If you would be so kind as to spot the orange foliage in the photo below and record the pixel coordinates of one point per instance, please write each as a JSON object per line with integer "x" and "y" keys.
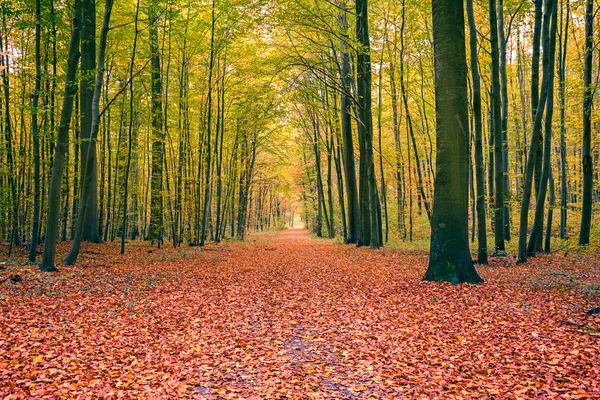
{"x": 290, "y": 317}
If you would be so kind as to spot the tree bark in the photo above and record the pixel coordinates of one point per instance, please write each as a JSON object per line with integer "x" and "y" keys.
{"x": 450, "y": 258}
{"x": 35, "y": 133}
{"x": 88, "y": 164}
{"x": 156, "y": 181}
{"x": 497, "y": 132}
{"x": 537, "y": 230}
{"x": 586, "y": 147}
{"x": 369, "y": 197}
{"x": 62, "y": 141}
{"x": 479, "y": 166}
{"x": 548, "y": 65}
{"x": 347, "y": 139}
{"x": 91, "y": 231}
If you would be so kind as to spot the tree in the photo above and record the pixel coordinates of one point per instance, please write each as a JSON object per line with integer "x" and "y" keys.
{"x": 347, "y": 140}
{"x": 371, "y": 234}
{"x": 156, "y": 181}
{"x": 548, "y": 67}
{"x": 586, "y": 146}
{"x": 91, "y": 231}
{"x": 87, "y": 183}
{"x": 450, "y": 258}
{"x": 35, "y": 132}
{"x": 479, "y": 167}
{"x": 497, "y": 132}
{"x": 62, "y": 140}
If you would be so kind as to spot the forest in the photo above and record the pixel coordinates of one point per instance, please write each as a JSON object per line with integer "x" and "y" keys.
{"x": 268, "y": 199}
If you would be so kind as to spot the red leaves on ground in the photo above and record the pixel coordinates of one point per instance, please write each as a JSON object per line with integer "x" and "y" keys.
{"x": 296, "y": 318}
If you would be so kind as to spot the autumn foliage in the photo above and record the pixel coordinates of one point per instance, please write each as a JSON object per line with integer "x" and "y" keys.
{"x": 287, "y": 316}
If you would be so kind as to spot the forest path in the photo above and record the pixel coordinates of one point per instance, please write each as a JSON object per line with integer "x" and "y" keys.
{"x": 287, "y": 316}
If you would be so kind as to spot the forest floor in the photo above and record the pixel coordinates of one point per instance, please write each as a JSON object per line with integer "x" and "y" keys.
{"x": 287, "y": 316}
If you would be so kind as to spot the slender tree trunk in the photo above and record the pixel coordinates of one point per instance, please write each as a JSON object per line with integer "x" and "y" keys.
{"x": 538, "y": 224}
{"x": 548, "y": 64}
{"x": 550, "y": 212}
{"x": 369, "y": 198}
{"x": 504, "y": 95}
{"x": 562, "y": 58}
{"x": 497, "y": 132}
{"x": 62, "y": 141}
{"x": 158, "y": 137}
{"x": 15, "y": 238}
{"x": 409, "y": 123}
{"x": 208, "y": 180}
{"x": 129, "y": 132}
{"x": 535, "y": 91}
{"x": 88, "y": 164}
{"x": 399, "y": 166}
{"x": 35, "y": 133}
{"x": 347, "y": 139}
{"x": 479, "y": 166}
{"x": 380, "y": 134}
{"x": 586, "y": 147}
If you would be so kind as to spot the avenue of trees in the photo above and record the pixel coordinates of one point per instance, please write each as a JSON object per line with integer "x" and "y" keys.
{"x": 184, "y": 122}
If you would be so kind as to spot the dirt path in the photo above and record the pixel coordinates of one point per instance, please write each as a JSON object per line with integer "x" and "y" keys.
{"x": 287, "y": 316}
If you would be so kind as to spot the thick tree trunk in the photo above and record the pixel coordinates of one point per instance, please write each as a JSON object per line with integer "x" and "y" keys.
{"x": 450, "y": 258}
{"x": 91, "y": 231}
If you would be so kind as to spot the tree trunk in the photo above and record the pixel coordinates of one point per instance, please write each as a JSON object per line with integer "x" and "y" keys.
{"x": 369, "y": 198}
{"x": 208, "y": 180}
{"x": 88, "y": 164}
{"x": 156, "y": 181}
{"x": 15, "y": 238}
{"x": 450, "y": 258}
{"x": 538, "y": 223}
{"x": 586, "y": 147}
{"x": 562, "y": 59}
{"x": 497, "y": 132}
{"x": 91, "y": 231}
{"x": 535, "y": 91}
{"x": 35, "y": 133}
{"x": 347, "y": 140}
{"x": 479, "y": 166}
{"x": 62, "y": 141}
{"x": 548, "y": 65}
{"x": 129, "y": 132}
{"x": 504, "y": 95}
